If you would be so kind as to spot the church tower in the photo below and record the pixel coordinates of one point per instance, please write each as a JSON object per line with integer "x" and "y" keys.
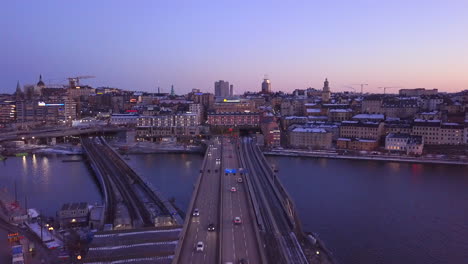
{"x": 39, "y": 86}
{"x": 326, "y": 91}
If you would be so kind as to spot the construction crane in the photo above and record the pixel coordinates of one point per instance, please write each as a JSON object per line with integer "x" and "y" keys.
{"x": 75, "y": 81}
{"x": 362, "y": 86}
{"x": 385, "y": 88}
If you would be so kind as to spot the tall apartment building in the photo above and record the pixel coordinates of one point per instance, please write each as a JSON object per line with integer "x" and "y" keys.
{"x": 222, "y": 89}
{"x": 266, "y": 86}
{"x": 198, "y": 110}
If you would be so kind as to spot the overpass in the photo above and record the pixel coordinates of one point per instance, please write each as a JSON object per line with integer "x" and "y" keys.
{"x": 270, "y": 231}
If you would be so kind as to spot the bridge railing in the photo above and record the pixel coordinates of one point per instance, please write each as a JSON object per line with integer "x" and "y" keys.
{"x": 190, "y": 208}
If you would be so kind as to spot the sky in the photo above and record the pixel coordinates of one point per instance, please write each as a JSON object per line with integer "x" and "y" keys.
{"x": 140, "y": 45}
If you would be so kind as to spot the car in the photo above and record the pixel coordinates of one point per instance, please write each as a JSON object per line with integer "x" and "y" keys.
{"x": 196, "y": 212}
{"x": 239, "y": 180}
{"x": 211, "y": 227}
{"x": 242, "y": 261}
{"x": 233, "y": 189}
{"x": 237, "y": 220}
{"x": 209, "y": 170}
{"x": 200, "y": 246}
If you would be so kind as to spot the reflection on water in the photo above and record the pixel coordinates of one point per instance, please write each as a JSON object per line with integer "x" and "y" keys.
{"x": 365, "y": 211}
{"x": 48, "y": 182}
{"x": 376, "y": 212}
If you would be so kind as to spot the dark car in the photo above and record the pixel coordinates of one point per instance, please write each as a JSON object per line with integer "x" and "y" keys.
{"x": 211, "y": 227}
{"x": 242, "y": 261}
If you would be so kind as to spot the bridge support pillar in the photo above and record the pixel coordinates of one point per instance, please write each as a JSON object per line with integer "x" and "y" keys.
{"x": 52, "y": 141}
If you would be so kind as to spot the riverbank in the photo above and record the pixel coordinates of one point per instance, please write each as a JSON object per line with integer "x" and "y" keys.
{"x": 156, "y": 148}
{"x": 381, "y": 157}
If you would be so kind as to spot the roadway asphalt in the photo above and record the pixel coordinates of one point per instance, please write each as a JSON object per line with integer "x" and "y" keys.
{"x": 239, "y": 240}
{"x": 207, "y": 202}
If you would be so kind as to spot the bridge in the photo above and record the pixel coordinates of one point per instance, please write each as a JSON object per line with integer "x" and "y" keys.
{"x": 57, "y": 132}
{"x": 145, "y": 226}
{"x": 269, "y": 230}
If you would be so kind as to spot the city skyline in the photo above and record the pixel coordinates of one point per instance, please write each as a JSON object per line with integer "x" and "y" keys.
{"x": 409, "y": 45}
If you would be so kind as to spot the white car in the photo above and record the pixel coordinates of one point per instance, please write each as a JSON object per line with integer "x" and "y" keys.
{"x": 196, "y": 212}
{"x": 233, "y": 189}
{"x": 200, "y": 246}
{"x": 237, "y": 220}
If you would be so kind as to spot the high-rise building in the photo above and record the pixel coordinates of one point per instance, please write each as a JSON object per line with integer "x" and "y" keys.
{"x": 222, "y": 88}
{"x": 266, "y": 86}
{"x": 326, "y": 91}
{"x": 231, "y": 90}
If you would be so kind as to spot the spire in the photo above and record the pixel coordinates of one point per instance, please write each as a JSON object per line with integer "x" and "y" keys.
{"x": 40, "y": 77}
{"x": 18, "y": 87}
{"x": 172, "y": 90}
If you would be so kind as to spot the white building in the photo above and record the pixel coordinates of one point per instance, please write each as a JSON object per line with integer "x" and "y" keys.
{"x": 412, "y": 145}
{"x": 124, "y": 119}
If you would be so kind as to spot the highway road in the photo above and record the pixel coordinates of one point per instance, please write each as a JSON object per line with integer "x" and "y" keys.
{"x": 239, "y": 241}
{"x": 207, "y": 201}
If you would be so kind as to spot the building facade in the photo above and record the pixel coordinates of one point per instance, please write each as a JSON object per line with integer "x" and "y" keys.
{"x": 310, "y": 138}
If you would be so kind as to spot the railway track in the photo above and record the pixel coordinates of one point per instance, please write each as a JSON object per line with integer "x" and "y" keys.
{"x": 282, "y": 243}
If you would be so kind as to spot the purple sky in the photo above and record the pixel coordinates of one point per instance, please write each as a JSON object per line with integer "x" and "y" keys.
{"x": 139, "y": 45}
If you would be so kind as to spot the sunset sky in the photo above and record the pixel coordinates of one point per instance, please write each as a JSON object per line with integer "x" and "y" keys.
{"x": 139, "y": 45}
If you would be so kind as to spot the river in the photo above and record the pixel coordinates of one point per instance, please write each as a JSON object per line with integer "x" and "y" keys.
{"x": 364, "y": 211}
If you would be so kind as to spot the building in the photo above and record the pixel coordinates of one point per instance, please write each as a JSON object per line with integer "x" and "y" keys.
{"x": 7, "y": 112}
{"x": 417, "y": 92}
{"x": 270, "y": 131}
{"x": 51, "y": 112}
{"x": 357, "y": 144}
{"x": 205, "y": 99}
{"x": 157, "y": 127}
{"x": 234, "y": 119}
{"x": 266, "y": 86}
{"x": 363, "y": 130}
{"x": 326, "y": 91}
{"x": 369, "y": 117}
{"x": 372, "y": 104}
{"x": 338, "y": 115}
{"x": 198, "y": 110}
{"x": 411, "y": 145}
{"x": 432, "y": 115}
{"x": 451, "y": 134}
{"x": 222, "y": 89}
{"x": 130, "y": 119}
{"x": 185, "y": 120}
{"x": 73, "y": 214}
{"x": 233, "y": 105}
{"x": 39, "y": 86}
{"x": 317, "y": 138}
{"x": 402, "y": 127}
